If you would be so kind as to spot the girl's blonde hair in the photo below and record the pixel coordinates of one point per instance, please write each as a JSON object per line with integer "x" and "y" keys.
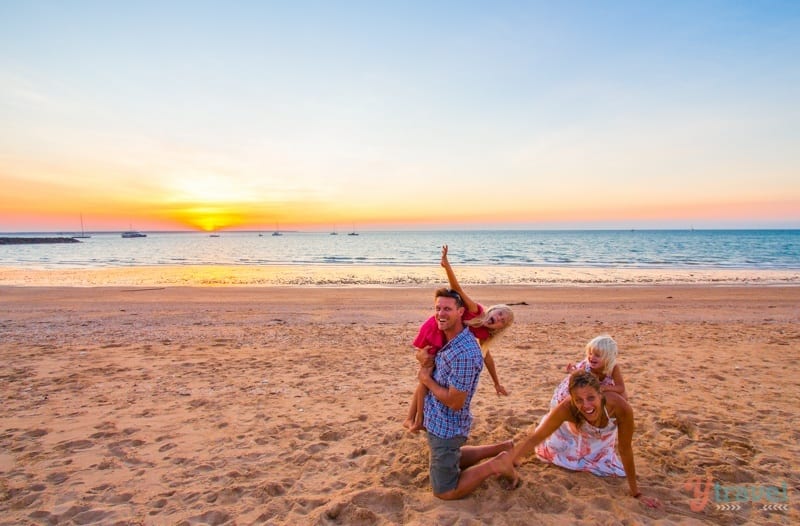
{"x": 483, "y": 318}
{"x": 606, "y": 347}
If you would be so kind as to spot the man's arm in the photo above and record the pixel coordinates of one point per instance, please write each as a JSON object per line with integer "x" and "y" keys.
{"x": 449, "y": 396}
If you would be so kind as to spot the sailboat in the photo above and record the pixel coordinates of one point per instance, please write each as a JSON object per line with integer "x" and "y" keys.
{"x": 353, "y": 233}
{"x": 277, "y": 230}
{"x": 83, "y": 233}
{"x": 334, "y": 233}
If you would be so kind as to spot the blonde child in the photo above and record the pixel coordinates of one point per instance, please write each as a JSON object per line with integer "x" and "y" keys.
{"x": 485, "y": 324}
{"x": 601, "y": 360}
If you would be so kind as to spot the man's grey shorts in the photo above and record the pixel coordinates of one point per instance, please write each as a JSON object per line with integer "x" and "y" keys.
{"x": 445, "y": 459}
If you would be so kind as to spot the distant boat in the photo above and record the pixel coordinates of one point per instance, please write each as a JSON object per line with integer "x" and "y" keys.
{"x": 213, "y": 235}
{"x": 133, "y": 233}
{"x": 277, "y": 230}
{"x": 83, "y": 233}
{"x": 333, "y": 233}
{"x": 353, "y": 233}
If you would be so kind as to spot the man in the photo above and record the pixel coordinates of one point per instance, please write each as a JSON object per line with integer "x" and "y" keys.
{"x": 455, "y": 470}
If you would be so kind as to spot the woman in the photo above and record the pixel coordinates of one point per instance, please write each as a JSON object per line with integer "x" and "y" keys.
{"x": 602, "y": 443}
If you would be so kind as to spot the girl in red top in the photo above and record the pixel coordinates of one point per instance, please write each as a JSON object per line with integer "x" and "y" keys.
{"x": 485, "y": 325}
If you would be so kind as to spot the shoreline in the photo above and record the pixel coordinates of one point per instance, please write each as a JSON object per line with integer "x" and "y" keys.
{"x": 331, "y": 275}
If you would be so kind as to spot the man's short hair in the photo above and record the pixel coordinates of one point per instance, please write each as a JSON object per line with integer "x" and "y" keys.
{"x": 449, "y": 293}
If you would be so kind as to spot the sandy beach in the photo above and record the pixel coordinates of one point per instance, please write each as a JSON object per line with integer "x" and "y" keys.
{"x": 283, "y": 405}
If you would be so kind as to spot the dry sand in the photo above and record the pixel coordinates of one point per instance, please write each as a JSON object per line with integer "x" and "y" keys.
{"x": 284, "y": 405}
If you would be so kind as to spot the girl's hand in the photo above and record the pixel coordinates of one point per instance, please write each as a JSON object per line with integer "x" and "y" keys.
{"x": 424, "y": 357}
{"x": 424, "y": 373}
{"x": 500, "y": 390}
{"x": 571, "y": 367}
{"x": 445, "y": 263}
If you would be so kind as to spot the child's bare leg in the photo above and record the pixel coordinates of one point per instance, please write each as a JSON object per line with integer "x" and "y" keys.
{"x": 420, "y": 416}
{"x": 411, "y": 417}
{"x": 414, "y": 421}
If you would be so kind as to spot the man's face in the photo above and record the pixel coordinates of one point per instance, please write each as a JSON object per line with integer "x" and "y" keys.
{"x": 448, "y": 314}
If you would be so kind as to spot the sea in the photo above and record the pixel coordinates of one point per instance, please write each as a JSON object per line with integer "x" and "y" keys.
{"x": 412, "y": 257}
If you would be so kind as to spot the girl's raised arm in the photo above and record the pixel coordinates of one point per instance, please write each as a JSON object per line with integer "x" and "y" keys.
{"x": 469, "y": 304}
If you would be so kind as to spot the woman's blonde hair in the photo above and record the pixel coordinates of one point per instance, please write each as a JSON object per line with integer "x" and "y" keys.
{"x": 479, "y": 321}
{"x": 606, "y": 347}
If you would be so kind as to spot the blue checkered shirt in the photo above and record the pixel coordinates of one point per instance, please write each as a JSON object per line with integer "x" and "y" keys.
{"x": 458, "y": 364}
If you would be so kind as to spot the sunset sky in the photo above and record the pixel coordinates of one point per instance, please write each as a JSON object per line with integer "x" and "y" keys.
{"x": 396, "y": 115}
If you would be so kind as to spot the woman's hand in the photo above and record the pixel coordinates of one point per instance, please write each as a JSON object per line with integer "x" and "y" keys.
{"x": 500, "y": 390}
{"x": 650, "y": 502}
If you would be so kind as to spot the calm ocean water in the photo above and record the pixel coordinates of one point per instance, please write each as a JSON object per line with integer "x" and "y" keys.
{"x": 526, "y": 251}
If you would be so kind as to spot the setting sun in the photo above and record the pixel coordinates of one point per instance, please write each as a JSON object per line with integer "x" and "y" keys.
{"x": 208, "y": 218}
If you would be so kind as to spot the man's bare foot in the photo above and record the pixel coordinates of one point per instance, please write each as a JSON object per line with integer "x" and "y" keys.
{"x": 503, "y": 465}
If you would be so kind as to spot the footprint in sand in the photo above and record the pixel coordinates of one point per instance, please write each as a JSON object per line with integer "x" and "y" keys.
{"x": 103, "y": 434}
{"x": 74, "y": 446}
{"x": 316, "y": 448}
{"x": 332, "y": 435}
{"x": 682, "y": 424}
{"x": 211, "y": 518}
{"x": 35, "y": 433}
{"x": 273, "y": 489}
{"x": 371, "y": 505}
{"x": 57, "y": 478}
{"x": 167, "y": 447}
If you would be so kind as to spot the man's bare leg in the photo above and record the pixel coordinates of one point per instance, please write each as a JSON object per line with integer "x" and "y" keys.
{"x": 501, "y": 465}
{"x": 471, "y": 455}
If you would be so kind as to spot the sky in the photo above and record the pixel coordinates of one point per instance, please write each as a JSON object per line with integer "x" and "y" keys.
{"x": 319, "y": 115}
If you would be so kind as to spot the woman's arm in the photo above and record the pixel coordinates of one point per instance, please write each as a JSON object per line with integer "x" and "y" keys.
{"x": 469, "y": 304}
{"x": 624, "y": 415}
{"x": 489, "y": 362}
{"x": 625, "y": 424}
{"x": 551, "y": 421}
